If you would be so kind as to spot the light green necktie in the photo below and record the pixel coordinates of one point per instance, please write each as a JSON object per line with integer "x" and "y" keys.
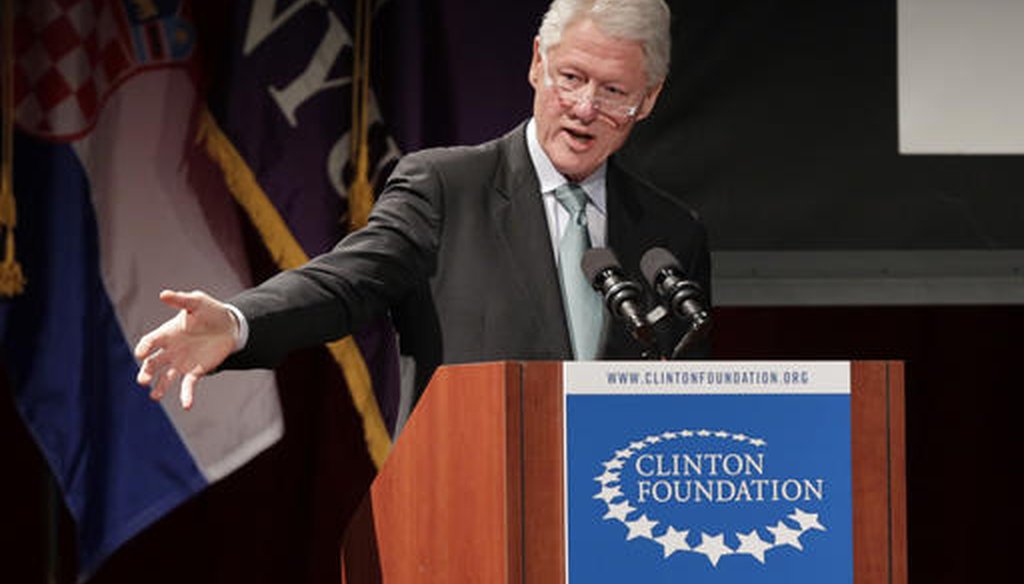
{"x": 582, "y": 303}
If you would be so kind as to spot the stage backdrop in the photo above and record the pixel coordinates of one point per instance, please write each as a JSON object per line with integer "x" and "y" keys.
{"x": 780, "y": 124}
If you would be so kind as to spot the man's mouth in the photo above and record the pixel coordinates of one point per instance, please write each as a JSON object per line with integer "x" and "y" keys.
{"x": 579, "y": 136}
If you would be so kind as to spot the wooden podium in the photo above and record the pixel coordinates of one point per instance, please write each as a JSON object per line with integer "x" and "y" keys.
{"x": 472, "y": 491}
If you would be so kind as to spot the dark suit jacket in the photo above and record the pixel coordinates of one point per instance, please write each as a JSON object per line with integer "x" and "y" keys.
{"x": 457, "y": 248}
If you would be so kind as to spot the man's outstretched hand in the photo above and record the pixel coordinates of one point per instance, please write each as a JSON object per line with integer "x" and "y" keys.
{"x": 188, "y": 346}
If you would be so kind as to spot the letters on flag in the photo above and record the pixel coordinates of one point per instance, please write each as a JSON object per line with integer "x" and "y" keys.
{"x": 281, "y": 127}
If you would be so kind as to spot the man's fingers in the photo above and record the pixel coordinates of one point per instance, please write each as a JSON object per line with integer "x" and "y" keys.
{"x": 188, "y": 301}
{"x": 188, "y": 387}
{"x": 173, "y": 352}
{"x": 170, "y": 376}
{"x": 165, "y": 380}
{"x": 158, "y": 338}
{"x": 152, "y": 341}
{"x": 155, "y": 392}
{"x": 147, "y": 371}
{"x": 151, "y": 365}
{"x": 145, "y": 376}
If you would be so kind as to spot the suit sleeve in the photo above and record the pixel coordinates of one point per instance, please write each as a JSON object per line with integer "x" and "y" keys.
{"x": 367, "y": 272}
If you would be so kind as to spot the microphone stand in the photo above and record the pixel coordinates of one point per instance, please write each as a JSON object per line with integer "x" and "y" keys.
{"x": 700, "y": 327}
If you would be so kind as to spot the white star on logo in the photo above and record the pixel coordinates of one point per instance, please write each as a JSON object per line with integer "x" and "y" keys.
{"x": 758, "y": 442}
{"x": 721, "y": 434}
{"x": 751, "y": 543}
{"x": 607, "y": 477}
{"x": 703, "y": 433}
{"x": 686, "y": 433}
{"x": 608, "y": 494}
{"x": 739, "y": 437}
{"x": 638, "y": 445}
{"x": 619, "y": 511}
{"x": 785, "y": 535}
{"x": 652, "y": 439}
{"x": 613, "y": 464}
{"x": 673, "y": 541}
{"x": 713, "y": 546}
{"x": 624, "y": 453}
{"x": 668, "y": 435}
{"x": 806, "y": 520}
{"x": 640, "y": 528}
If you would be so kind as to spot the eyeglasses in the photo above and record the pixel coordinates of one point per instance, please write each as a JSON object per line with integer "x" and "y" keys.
{"x": 608, "y": 100}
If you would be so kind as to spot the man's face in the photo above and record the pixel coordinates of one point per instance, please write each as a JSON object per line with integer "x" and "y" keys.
{"x": 577, "y": 135}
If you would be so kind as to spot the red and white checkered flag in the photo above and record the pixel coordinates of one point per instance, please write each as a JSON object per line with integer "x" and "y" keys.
{"x": 71, "y": 54}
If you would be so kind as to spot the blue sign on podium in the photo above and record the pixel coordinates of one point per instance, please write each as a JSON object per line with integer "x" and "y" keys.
{"x": 708, "y": 472}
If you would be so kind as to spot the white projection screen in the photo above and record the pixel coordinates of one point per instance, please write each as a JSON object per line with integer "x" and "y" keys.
{"x": 961, "y": 76}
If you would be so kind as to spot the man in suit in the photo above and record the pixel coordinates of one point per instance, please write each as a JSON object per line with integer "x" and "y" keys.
{"x": 467, "y": 246}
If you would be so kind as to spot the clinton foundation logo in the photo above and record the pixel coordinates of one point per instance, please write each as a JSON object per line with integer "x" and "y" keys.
{"x": 696, "y": 491}
{"x": 708, "y": 472}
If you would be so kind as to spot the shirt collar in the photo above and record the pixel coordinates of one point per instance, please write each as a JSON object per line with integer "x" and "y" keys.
{"x": 550, "y": 179}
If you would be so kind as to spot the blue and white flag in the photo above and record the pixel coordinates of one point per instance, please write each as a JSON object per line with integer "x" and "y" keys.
{"x": 110, "y": 211}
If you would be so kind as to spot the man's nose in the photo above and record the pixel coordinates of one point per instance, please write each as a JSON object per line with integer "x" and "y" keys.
{"x": 584, "y": 108}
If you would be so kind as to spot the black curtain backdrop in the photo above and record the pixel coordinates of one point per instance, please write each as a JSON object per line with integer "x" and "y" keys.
{"x": 778, "y": 122}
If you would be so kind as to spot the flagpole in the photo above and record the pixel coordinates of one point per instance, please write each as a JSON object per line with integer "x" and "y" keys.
{"x": 12, "y": 280}
{"x": 360, "y": 191}
{"x": 52, "y": 529}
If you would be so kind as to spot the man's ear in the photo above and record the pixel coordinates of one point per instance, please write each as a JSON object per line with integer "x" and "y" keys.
{"x": 648, "y": 103}
{"x": 536, "y": 73}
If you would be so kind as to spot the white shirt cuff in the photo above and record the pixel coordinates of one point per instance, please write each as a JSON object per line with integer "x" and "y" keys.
{"x": 242, "y": 328}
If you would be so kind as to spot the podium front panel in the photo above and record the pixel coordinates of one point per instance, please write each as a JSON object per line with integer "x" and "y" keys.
{"x": 473, "y": 491}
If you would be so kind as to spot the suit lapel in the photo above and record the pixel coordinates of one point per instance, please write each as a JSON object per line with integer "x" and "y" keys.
{"x": 521, "y": 226}
{"x": 625, "y": 229}
{"x": 625, "y": 217}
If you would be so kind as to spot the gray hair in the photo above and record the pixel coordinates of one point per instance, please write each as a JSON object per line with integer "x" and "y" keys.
{"x": 645, "y": 21}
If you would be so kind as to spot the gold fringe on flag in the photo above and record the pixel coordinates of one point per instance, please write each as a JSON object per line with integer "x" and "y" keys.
{"x": 12, "y": 280}
{"x": 287, "y": 252}
{"x": 360, "y": 192}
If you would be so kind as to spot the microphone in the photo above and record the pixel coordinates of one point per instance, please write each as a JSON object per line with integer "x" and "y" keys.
{"x": 683, "y": 297}
{"x": 622, "y": 296}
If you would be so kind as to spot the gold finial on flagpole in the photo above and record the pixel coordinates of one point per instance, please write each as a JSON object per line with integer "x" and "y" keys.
{"x": 12, "y": 280}
{"x": 360, "y": 191}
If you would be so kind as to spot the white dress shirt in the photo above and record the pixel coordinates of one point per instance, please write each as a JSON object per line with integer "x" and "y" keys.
{"x": 550, "y": 179}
